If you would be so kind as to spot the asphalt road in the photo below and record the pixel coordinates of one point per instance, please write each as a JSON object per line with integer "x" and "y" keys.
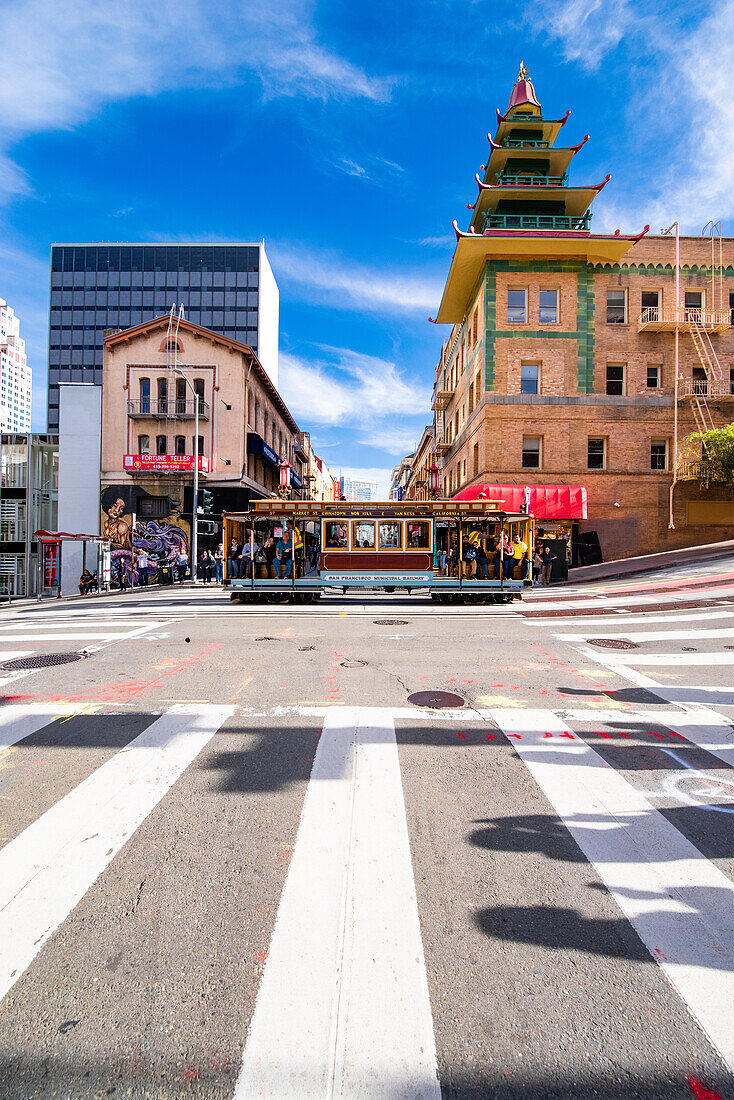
{"x": 236, "y": 861}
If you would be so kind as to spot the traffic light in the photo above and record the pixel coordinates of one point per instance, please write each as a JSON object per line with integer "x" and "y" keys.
{"x": 207, "y": 501}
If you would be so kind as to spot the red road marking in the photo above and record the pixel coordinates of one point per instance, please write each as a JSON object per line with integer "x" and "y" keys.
{"x": 700, "y": 1091}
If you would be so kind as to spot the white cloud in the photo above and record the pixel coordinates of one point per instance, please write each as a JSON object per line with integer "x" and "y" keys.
{"x": 331, "y": 280}
{"x": 588, "y": 29}
{"x": 347, "y": 387}
{"x": 447, "y": 240}
{"x": 394, "y": 439}
{"x": 62, "y": 63}
{"x": 351, "y": 168}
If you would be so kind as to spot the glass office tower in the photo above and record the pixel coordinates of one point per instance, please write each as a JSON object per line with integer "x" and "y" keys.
{"x": 225, "y": 287}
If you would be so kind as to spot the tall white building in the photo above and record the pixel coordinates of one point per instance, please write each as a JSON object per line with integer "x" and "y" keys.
{"x": 15, "y": 375}
{"x": 351, "y": 489}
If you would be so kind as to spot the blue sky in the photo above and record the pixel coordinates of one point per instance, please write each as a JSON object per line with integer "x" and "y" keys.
{"x": 347, "y": 135}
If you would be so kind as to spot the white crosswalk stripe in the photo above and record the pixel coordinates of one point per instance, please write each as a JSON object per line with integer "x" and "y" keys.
{"x": 46, "y": 870}
{"x": 680, "y": 904}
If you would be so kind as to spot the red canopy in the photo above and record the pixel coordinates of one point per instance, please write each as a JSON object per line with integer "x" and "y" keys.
{"x": 546, "y": 501}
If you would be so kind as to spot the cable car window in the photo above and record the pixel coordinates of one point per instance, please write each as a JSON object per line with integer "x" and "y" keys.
{"x": 363, "y": 535}
{"x": 391, "y": 536}
{"x": 336, "y": 536}
{"x": 418, "y": 535}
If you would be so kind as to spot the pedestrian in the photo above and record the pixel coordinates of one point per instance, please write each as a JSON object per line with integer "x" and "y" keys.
{"x": 284, "y": 551}
{"x": 519, "y": 551}
{"x": 143, "y": 568}
{"x": 206, "y": 566}
{"x": 85, "y": 583}
{"x": 246, "y": 556}
{"x": 482, "y": 561}
{"x": 182, "y": 565}
{"x": 233, "y": 559}
{"x": 219, "y": 563}
{"x": 537, "y": 562}
{"x": 548, "y": 557}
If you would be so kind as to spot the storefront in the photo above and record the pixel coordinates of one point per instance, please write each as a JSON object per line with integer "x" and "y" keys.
{"x": 557, "y": 510}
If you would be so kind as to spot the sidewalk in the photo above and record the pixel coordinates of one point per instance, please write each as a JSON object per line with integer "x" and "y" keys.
{"x": 651, "y": 563}
{"x": 49, "y": 601}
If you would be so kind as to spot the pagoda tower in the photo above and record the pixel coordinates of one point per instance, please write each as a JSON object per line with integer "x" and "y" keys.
{"x": 526, "y": 209}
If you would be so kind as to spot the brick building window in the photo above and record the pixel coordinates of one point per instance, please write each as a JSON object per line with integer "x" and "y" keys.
{"x": 700, "y": 381}
{"x": 659, "y": 454}
{"x": 616, "y": 306}
{"x": 653, "y": 378}
{"x": 731, "y": 307}
{"x": 517, "y": 307}
{"x": 161, "y": 445}
{"x": 694, "y": 305}
{"x": 650, "y": 302}
{"x": 615, "y": 379}
{"x": 476, "y": 459}
{"x": 529, "y": 377}
{"x": 731, "y": 381}
{"x": 154, "y": 507}
{"x": 532, "y": 447}
{"x": 475, "y": 325}
{"x": 596, "y": 455}
{"x": 548, "y": 307}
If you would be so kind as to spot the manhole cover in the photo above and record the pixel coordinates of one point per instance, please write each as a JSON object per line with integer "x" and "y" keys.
{"x": 42, "y": 660}
{"x": 353, "y": 664}
{"x": 612, "y": 643}
{"x": 438, "y": 700}
{"x": 390, "y": 622}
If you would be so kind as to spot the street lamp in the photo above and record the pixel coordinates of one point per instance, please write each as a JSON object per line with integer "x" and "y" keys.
{"x": 284, "y": 471}
{"x": 194, "y": 515}
{"x": 434, "y": 475}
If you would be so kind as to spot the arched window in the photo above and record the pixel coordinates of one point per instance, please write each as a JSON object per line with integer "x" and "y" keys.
{"x": 162, "y": 398}
{"x": 161, "y": 445}
{"x": 199, "y": 388}
{"x": 143, "y": 444}
{"x": 180, "y": 399}
{"x": 180, "y": 444}
{"x": 144, "y": 396}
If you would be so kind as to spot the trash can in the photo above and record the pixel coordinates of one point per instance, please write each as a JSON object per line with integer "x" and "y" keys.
{"x": 165, "y": 574}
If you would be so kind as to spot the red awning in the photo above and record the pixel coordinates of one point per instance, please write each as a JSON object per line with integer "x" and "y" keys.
{"x": 546, "y": 501}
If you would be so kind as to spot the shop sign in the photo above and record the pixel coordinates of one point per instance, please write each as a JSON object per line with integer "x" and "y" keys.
{"x": 163, "y": 463}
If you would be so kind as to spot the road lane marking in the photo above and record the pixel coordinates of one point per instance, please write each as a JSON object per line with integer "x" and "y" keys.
{"x": 46, "y": 870}
{"x": 680, "y": 904}
{"x": 20, "y": 720}
{"x": 343, "y": 1008}
{"x": 651, "y": 635}
{"x": 624, "y": 618}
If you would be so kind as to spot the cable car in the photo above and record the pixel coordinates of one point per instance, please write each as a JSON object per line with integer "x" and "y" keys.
{"x": 300, "y": 550}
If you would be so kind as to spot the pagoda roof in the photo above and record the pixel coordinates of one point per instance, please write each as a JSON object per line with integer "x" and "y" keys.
{"x": 557, "y": 158}
{"x": 550, "y": 126}
{"x": 474, "y": 249}
{"x": 523, "y": 92}
{"x": 577, "y": 199}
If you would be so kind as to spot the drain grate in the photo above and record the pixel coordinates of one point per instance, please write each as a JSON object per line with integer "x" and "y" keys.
{"x": 437, "y": 700}
{"x": 266, "y": 638}
{"x": 612, "y": 643}
{"x": 353, "y": 663}
{"x": 42, "y": 660}
{"x": 390, "y": 622}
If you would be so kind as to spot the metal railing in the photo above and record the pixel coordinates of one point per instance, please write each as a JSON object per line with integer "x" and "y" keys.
{"x": 686, "y": 315}
{"x": 526, "y": 179}
{"x": 537, "y": 221}
{"x": 701, "y": 388}
{"x": 525, "y": 143}
{"x": 161, "y": 409}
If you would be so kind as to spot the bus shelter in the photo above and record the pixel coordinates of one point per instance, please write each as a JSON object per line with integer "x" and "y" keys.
{"x": 51, "y": 544}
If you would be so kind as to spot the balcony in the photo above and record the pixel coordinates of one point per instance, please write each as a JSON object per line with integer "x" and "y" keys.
{"x": 523, "y": 143}
{"x": 529, "y": 180}
{"x": 442, "y": 448}
{"x": 708, "y": 389}
{"x": 154, "y": 409}
{"x": 441, "y": 400}
{"x": 538, "y": 221}
{"x": 656, "y": 319}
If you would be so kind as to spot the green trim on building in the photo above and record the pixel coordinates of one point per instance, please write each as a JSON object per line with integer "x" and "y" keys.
{"x": 583, "y": 334}
{"x": 658, "y": 269}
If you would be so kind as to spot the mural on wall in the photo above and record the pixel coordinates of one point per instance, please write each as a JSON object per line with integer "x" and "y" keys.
{"x": 161, "y": 540}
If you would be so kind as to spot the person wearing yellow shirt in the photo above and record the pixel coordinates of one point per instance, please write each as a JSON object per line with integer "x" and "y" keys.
{"x": 519, "y": 553}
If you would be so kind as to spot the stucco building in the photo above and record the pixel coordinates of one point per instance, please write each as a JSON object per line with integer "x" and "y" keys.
{"x": 578, "y": 358}
{"x": 148, "y": 436}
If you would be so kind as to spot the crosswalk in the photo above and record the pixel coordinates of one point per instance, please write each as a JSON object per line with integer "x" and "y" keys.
{"x": 343, "y": 1008}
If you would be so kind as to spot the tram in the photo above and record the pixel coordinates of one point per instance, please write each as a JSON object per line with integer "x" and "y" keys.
{"x": 299, "y": 550}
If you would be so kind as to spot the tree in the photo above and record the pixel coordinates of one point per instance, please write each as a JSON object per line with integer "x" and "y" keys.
{"x": 716, "y": 464}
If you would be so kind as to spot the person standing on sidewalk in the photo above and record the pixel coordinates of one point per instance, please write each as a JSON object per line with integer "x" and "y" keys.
{"x": 143, "y": 568}
{"x": 219, "y": 562}
{"x": 182, "y": 564}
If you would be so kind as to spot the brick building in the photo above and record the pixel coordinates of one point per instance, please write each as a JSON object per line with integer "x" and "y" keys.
{"x": 560, "y": 368}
